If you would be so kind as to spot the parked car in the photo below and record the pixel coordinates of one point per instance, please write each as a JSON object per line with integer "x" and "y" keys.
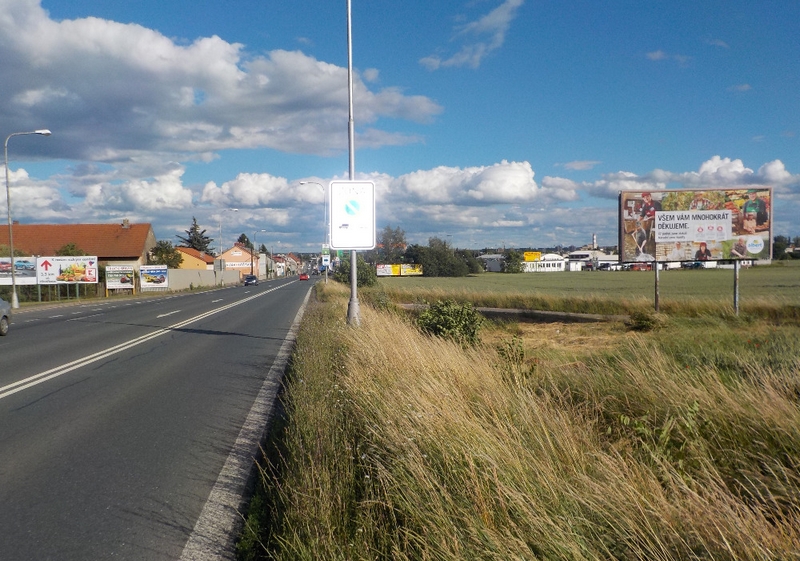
{"x": 250, "y": 280}
{"x": 303, "y": 276}
{"x": 5, "y": 316}
{"x": 692, "y": 265}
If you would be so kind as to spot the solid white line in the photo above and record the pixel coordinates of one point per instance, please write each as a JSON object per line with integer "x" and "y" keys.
{"x": 214, "y": 533}
{"x": 41, "y": 377}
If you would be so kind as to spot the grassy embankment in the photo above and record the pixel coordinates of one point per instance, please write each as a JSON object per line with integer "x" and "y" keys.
{"x": 551, "y": 441}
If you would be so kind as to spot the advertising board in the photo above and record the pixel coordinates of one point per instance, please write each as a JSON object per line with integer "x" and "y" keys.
{"x": 410, "y": 270}
{"x": 532, "y": 255}
{"x": 385, "y": 270}
{"x": 696, "y": 225}
{"x": 24, "y": 270}
{"x": 153, "y": 276}
{"x": 119, "y": 276}
{"x": 77, "y": 269}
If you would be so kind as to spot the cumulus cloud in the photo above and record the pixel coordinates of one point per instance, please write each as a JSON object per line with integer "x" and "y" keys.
{"x": 478, "y": 38}
{"x": 111, "y": 89}
{"x": 503, "y": 183}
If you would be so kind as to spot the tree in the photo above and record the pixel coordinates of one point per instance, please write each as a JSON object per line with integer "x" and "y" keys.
{"x": 263, "y": 249}
{"x": 196, "y": 238}
{"x": 779, "y": 245}
{"x": 437, "y": 260}
{"x": 165, "y": 254}
{"x": 69, "y": 250}
{"x": 512, "y": 262}
{"x": 245, "y": 241}
{"x": 391, "y": 245}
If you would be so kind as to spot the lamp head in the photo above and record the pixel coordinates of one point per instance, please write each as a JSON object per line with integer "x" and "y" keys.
{"x": 43, "y": 132}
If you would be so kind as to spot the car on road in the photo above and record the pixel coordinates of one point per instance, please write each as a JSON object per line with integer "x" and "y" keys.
{"x": 5, "y": 316}
{"x": 303, "y": 276}
{"x": 250, "y": 280}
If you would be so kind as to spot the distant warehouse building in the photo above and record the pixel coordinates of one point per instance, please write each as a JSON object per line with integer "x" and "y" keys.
{"x": 548, "y": 263}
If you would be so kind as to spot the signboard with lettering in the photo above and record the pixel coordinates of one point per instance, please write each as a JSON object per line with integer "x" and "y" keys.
{"x": 76, "y": 269}
{"x": 703, "y": 225}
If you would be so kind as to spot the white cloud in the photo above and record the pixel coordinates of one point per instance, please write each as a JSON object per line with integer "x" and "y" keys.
{"x": 581, "y": 165}
{"x": 479, "y": 38}
{"x": 503, "y": 183}
{"x": 682, "y": 60}
{"x": 112, "y": 89}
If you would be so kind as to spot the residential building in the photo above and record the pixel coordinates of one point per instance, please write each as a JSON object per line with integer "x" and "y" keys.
{"x": 195, "y": 260}
{"x": 112, "y": 244}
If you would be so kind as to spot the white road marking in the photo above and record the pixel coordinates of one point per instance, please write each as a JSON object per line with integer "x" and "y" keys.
{"x": 167, "y": 314}
{"x": 41, "y": 377}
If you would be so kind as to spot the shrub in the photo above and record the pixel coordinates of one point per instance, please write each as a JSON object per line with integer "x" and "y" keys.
{"x": 645, "y": 321}
{"x": 449, "y": 319}
{"x": 365, "y": 273}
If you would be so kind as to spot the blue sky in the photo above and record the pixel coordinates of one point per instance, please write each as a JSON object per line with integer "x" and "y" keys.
{"x": 485, "y": 122}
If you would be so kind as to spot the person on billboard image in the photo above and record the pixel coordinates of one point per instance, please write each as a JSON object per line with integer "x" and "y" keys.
{"x": 648, "y": 211}
{"x": 700, "y": 202}
{"x": 678, "y": 253}
{"x": 640, "y": 237}
{"x": 739, "y": 249}
{"x": 749, "y": 223}
{"x": 703, "y": 253}
{"x": 756, "y": 206}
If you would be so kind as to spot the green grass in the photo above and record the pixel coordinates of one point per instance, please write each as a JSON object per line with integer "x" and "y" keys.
{"x": 766, "y": 291}
{"x": 585, "y": 442}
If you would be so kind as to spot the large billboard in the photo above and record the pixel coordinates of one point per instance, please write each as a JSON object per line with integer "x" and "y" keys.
{"x": 701, "y": 225}
{"x": 78, "y": 269}
{"x": 24, "y": 270}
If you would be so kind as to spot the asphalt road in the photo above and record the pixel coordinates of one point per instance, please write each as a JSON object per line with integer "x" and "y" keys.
{"x": 118, "y": 420}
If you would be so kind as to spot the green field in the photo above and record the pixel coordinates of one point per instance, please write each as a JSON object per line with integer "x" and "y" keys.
{"x": 766, "y": 291}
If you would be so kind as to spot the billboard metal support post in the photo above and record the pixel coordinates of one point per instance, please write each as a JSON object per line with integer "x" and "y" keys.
{"x": 736, "y": 287}
{"x": 655, "y": 265}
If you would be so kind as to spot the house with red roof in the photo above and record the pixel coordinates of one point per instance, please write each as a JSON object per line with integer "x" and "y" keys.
{"x": 112, "y": 244}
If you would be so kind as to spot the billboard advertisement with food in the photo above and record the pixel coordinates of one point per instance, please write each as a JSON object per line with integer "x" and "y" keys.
{"x": 78, "y": 269}
{"x": 706, "y": 225}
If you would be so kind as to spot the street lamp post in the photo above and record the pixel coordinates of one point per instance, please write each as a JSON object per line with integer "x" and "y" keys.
{"x": 254, "y": 249}
{"x": 219, "y": 250}
{"x": 325, "y": 220}
{"x": 14, "y": 298}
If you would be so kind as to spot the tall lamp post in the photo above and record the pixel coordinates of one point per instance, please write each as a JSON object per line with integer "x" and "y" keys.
{"x": 325, "y": 219}
{"x": 254, "y": 249}
{"x": 219, "y": 251}
{"x": 14, "y": 299}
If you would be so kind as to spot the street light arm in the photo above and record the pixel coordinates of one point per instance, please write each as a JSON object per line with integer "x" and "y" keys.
{"x": 14, "y": 298}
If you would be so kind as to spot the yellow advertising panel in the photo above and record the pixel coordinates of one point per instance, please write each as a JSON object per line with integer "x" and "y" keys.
{"x": 411, "y": 270}
{"x": 533, "y": 255}
{"x": 388, "y": 270}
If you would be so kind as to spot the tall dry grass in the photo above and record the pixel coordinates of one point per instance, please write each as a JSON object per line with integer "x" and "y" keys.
{"x": 402, "y": 446}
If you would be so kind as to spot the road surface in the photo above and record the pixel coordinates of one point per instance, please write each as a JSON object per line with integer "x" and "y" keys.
{"x": 118, "y": 420}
